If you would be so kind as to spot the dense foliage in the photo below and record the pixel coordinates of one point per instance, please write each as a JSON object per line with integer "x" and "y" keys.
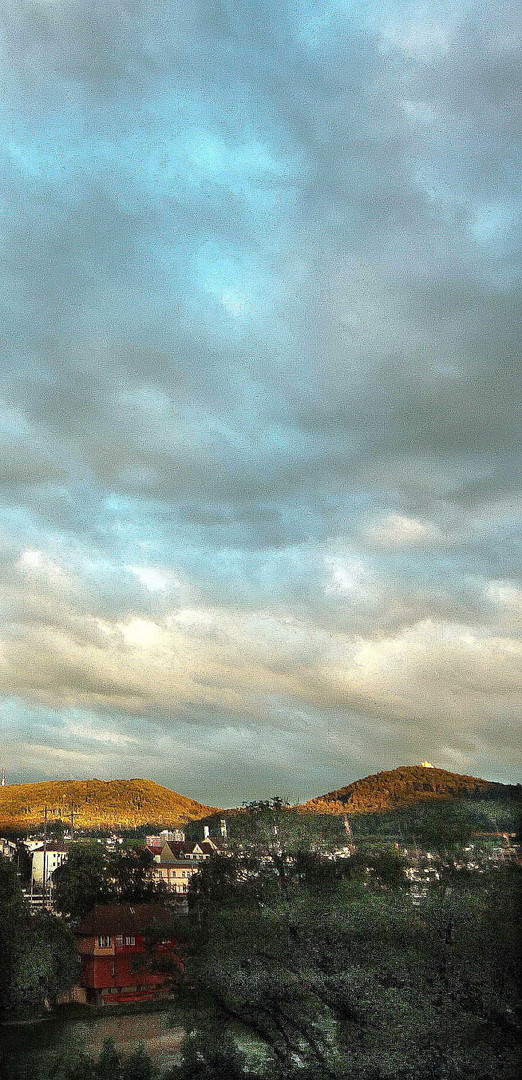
{"x": 302, "y": 964}
{"x": 336, "y": 971}
{"x": 91, "y": 875}
{"x": 39, "y": 958}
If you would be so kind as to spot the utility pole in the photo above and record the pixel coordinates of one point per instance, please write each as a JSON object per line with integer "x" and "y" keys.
{"x": 45, "y": 857}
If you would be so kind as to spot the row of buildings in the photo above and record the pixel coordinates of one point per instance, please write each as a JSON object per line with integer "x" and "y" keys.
{"x": 175, "y": 859}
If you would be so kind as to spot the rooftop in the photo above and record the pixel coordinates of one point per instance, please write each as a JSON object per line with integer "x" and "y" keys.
{"x": 132, "y": 919}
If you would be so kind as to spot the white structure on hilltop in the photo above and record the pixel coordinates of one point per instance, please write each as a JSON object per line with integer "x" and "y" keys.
{"x": 427, "y": 765}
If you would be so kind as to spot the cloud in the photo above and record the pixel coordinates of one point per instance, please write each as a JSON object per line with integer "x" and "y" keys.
{"x": 260, "y": 390}
{"x": 395, "y": 530}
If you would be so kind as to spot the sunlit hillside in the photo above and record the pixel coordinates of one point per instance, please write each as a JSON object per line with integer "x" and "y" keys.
{"x": 404, "y": 786}
{"x": 112, "y": 803}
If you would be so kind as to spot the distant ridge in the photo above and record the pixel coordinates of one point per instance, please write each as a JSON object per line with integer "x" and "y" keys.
{"x": 104, "y": 803}
{"x": 408, "y": 784}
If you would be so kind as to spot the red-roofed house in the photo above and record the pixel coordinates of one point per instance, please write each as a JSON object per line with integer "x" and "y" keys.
{"x": 127, "y": 953}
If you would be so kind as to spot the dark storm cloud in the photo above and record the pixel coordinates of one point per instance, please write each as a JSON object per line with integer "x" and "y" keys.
{"x": 261, "y": 391}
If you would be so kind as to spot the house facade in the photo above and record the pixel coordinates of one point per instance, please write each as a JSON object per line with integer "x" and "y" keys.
{"x": 127, "y": 953}
{"x": 45, "y": 862}
{"x": 7, "y": 848}
{"x": 177, "y": 862}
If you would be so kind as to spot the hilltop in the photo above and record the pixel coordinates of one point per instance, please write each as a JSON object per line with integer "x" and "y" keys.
{"x": 405, "y": 786}
{"x": 98, "y": 803}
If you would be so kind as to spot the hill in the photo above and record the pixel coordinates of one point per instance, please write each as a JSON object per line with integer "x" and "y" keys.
{"x": 97, "y": 803}
{"x": 405, "y": 786}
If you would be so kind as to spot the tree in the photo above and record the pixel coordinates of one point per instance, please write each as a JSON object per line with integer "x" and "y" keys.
{"x": 82, "y": 881}
{"x": 10, "y": 889}
{"x": 442, "y": 827}
{"x": 108, "y": 1065}
{"x": 335, "y": 971}
{"x": 138, "y": 1066}
{"x": 93, "y": 876}
{"x": 71, "y": 1065}
{"x": 208, "y": 1053}
{"x": 129, "y": 870}
{"x": 56, "y": 830}
{"x": 40, "y": 962}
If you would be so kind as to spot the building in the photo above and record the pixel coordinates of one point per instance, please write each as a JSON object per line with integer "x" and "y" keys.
{"x": 45, "y": 861}
{"x": 7, "y": 848}
{"x": 177, "y": 861}
{"x": 127, "y": 953}
{"x": 164, "y": 837}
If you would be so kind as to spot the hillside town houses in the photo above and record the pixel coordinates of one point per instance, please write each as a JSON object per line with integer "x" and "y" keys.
{"x": 124, "y": 953}
{"x": 175, "y": 861}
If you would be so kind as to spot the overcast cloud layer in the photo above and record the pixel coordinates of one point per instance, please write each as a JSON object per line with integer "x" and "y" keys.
{"x": 261, "y": 391}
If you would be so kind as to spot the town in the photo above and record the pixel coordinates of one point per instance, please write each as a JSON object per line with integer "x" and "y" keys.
{"x": 114, "y": 921}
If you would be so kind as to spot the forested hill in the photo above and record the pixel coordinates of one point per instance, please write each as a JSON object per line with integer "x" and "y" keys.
{"x": 404, "y": 786}
{"x": 112, "y": 803}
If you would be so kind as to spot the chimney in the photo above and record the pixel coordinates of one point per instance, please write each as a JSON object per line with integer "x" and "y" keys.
{"x": 4, "y": 781}
{"x": 206, "y": 832}
{"x": 223, "y": 828}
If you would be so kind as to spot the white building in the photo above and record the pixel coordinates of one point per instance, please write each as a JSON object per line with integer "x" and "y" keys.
{"x": 55, "y": 855}
{"x": 7, "y": 848}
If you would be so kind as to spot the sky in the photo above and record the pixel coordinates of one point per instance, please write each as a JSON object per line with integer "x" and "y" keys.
{"x": 260, "y": 391}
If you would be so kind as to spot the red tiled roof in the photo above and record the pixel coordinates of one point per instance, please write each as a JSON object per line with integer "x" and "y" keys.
{"x": 122, "y": 919}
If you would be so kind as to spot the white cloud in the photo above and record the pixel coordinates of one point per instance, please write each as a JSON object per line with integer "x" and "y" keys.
{"x": 98, "y": 734}
{"x": 41, "y": 568}
{"x": 152, "y": 579}
{"x": 396, "y": 531}
{"x": 345, "y": 575}
{"x": 505, "y": 594}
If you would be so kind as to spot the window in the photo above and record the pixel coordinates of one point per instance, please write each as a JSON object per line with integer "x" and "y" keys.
{"x": 104, "y": 942}
{"x": 130, "y": 940}
{"x": 119, "y": 939}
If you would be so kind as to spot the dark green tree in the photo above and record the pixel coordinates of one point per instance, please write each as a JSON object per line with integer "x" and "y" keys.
{"x": 138, "y": 1066}
{"x": 93, "y": 876}
{"x": 56, "y": 830}
{"x": 40, "y": 962}
{"x": 82, "y": 881}
{"x": 72, "y": 1064}
{"x": 208, "y": 1053}
{"x": 337, "y": 972}
{"x": 10, "y": 888}
{"x": 129, "y": 869}
{"x": 108, "y": 1065}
